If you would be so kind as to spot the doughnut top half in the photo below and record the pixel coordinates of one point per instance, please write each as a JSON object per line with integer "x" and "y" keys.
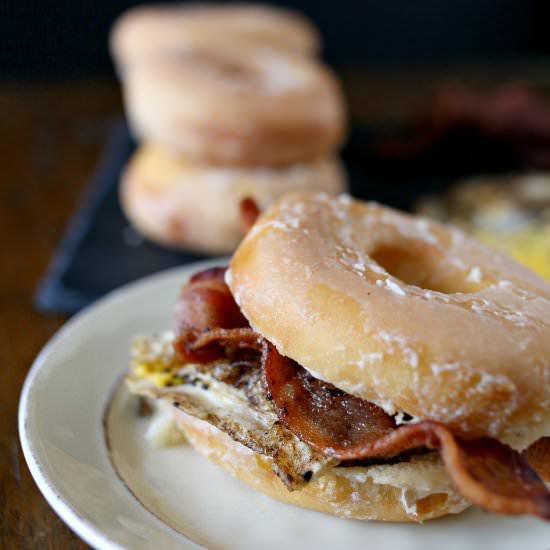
{"x": 404, "y": 312}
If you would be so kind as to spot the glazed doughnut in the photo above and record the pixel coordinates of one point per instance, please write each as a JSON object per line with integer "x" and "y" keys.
{"x": 185, "y": 205}
{"x": 236, "y": 107}
{"x": 149, "y": 30}
{"x": 388, "y": 492}
{"x": 403, "y": 312}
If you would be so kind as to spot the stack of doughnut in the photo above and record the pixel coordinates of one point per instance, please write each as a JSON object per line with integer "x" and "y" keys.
{"x": 231, "y": 108}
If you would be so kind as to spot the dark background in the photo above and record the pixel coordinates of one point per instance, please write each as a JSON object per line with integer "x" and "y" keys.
{"x": 44, "y": 39}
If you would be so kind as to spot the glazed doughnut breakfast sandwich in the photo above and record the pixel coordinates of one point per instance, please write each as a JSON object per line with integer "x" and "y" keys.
{"x": 362, "y": 362}
{"x": 228, "y": 103}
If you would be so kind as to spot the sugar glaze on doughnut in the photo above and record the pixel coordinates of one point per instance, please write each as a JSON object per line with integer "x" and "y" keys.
{"x": 403, "y": 312}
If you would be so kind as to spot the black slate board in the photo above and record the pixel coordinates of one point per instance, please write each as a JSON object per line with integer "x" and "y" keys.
{"x": 100, "y": 251}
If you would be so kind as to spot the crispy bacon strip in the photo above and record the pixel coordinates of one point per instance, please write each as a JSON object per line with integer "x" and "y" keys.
{"x": 248, "y": 213}
{"x": 205, "y": 303}
{"x": 538, "y": 456}
{"x": 319, "y": 413}
{"x": 244, "y": 337}
{"x": 487, "y": 472}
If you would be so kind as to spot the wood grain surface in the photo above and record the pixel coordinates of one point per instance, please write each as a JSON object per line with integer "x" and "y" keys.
{"x": 50, "y": 136}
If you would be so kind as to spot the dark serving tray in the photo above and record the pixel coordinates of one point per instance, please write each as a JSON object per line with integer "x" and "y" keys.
{"x": 100, "y": 251}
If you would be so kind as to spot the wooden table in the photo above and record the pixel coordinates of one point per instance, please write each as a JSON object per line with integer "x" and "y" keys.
{"x": 50, "y": 136}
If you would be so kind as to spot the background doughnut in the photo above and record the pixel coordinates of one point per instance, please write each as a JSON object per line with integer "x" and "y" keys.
{"x": 236, "y": 107}
{"x": 186, "y": 205}
{"x": 149, "y": 30}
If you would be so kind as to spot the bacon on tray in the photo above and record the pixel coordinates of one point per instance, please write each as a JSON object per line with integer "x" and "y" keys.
{"x": 345, "y": 427}
{"x": 514, "y": 118}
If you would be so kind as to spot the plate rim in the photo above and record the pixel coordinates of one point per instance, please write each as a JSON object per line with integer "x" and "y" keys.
{"x": 65, "y": 509}
{"x": 82, "y": 527}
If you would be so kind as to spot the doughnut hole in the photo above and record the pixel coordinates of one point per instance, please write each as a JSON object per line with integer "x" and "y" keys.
{"x": 425, "y": 267}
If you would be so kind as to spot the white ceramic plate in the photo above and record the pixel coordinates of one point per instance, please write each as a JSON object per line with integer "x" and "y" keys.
{"x": 173, "y": 498}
